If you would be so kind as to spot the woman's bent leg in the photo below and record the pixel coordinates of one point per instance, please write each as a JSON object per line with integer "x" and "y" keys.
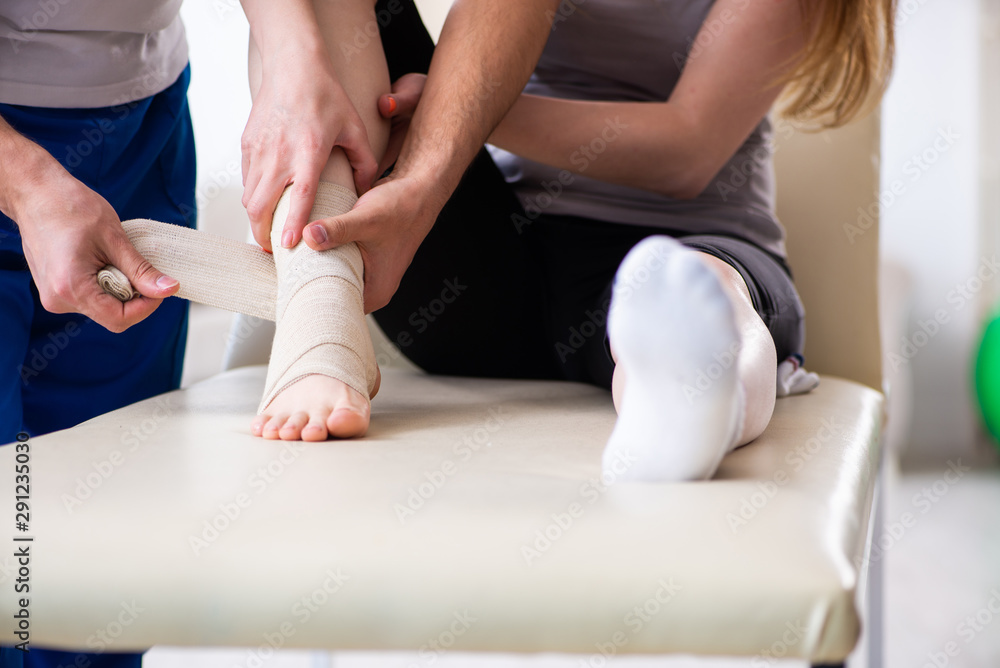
{"x": 308, "y": 395}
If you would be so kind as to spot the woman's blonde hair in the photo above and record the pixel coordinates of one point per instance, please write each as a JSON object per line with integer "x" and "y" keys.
{"x": 844, "y": 68}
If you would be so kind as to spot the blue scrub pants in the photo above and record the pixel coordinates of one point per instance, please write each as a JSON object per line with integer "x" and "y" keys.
{"x": 59, "y": 370}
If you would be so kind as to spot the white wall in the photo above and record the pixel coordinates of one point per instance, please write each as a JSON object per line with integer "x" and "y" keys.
{"x": 932, "y": 228}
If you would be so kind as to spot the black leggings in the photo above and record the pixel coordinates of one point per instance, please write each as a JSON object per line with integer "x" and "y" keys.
{"x": 491, "y": 293}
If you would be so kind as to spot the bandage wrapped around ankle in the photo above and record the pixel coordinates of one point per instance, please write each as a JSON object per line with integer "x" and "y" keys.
{"x": 315, "y": 297}
{"x": 319, "y": 309}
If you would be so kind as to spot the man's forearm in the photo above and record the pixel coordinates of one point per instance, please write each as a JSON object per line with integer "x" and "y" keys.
{"x": 23, "y": 165}
{"x": 487, "y": 51}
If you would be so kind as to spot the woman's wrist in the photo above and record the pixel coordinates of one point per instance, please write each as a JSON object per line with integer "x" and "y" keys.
{"x": 302, "y": 57}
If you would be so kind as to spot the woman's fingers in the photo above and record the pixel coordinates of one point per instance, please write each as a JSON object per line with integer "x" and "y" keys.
{"x": 354, "y": 142}
{"x": 260, "y": 208}
{"x": 405, "y": 96}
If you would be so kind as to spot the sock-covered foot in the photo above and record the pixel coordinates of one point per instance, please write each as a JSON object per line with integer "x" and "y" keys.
{"x": 313, "y": 409}
{"x": 673, "y": 332}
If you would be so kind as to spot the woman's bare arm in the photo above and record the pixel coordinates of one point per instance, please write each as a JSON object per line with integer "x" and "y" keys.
{"x": 675, "y": 147}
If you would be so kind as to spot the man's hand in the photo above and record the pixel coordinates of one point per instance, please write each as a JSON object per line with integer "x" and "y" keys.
{"x": 70, "y": 233}
{"x": 388, "y": 222}
{"x": 299, "y": 115}
{"x": 391, "y": 220}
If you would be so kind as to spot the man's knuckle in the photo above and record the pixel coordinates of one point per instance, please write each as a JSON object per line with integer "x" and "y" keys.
{"x": 304, "y": 187}
{"x": 338, "y": 230}
{"x": 144, "y": 268}
{"x": 50, "y": 301}
{"x": 312, "y": 142}
{"x": 255, "y": 209}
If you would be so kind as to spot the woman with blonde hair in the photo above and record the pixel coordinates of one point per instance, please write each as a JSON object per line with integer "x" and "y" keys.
{"x": 622, "y": 231}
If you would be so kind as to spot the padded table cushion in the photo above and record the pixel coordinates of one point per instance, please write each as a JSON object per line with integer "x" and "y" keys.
{"x": 472, "y": 517}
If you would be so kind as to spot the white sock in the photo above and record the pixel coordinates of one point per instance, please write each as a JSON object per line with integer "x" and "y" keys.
{"x": 673, "y": 331}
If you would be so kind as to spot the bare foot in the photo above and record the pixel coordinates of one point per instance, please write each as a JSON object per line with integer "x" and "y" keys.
{"x": 313, "y": 409}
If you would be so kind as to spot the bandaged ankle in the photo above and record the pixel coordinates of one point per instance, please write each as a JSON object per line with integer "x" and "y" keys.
{"x": 320, "y": 307}
{"x": 321, "y": 293}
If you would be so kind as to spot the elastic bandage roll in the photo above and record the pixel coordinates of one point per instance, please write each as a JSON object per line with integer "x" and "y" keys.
{"x": 319, "y": 309}
{"x": 211, "y": 270}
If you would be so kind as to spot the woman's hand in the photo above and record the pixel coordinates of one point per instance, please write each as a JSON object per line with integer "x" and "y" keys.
{"x": 299, "y": 115}
{"x": 399, "y": 106}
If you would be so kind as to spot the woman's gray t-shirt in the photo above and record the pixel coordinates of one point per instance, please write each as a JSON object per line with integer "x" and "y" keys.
{"x": 633, "y": 51}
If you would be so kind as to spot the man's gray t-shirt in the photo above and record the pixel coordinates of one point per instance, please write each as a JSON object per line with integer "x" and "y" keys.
{"x": 633, "y": 51}
{"x": 88, "y": 53}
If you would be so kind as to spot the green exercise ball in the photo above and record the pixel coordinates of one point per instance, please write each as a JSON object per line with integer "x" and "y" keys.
{"x": 988, "y": 378}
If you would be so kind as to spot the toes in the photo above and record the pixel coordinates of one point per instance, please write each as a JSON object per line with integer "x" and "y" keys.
{"x": 315, "y": 430}
{"x": 272, "y": 428}
{"x": 347, "y": 423}
{"x": 292, "y": 429}
{"x": 350, "y": 417}
{"x": 314, "y": 410}
{"x": 257, "y": 426}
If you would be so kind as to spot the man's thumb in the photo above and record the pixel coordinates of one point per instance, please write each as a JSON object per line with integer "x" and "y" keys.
{"x": 328, "y": 233}
{"x": 143, "y": 276}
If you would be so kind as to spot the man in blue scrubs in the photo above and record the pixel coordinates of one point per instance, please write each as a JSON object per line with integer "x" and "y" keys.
{"x": 95, "y": 128}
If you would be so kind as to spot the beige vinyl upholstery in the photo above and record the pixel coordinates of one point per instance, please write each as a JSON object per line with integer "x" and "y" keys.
{"x": 825, "y": 182}
{"x": 473, "y": 517}
{"x": 216, "y": 537}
